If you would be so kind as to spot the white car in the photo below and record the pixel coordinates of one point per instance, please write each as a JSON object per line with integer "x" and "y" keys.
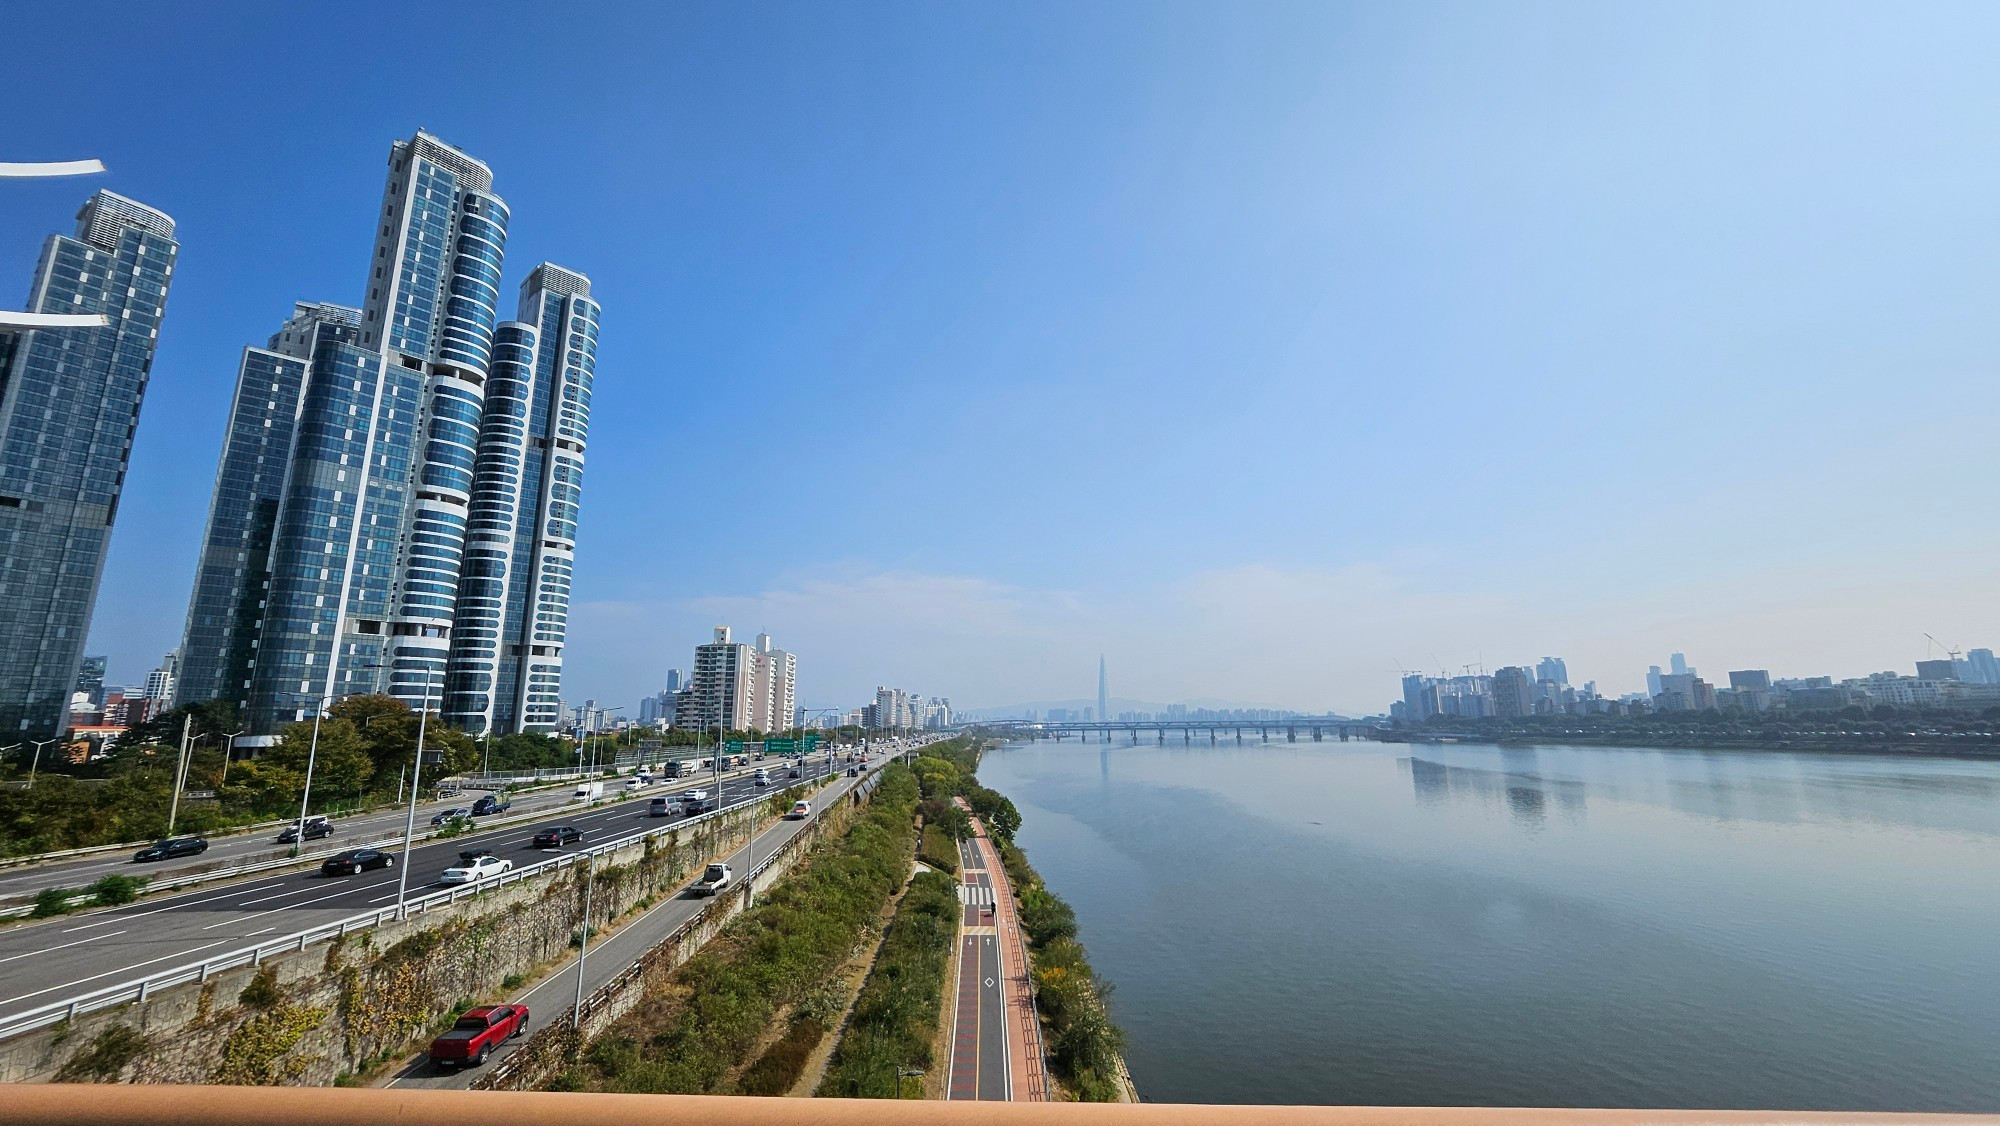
{"x": 696, "y": 794}
{"x": 800, "y": 811}
{"x": 473, "y": 871}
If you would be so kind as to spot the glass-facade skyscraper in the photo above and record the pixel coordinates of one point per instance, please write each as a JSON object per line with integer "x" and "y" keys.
{"x": 69, "y": 406}
{"x": 513, "y": 598}
{"x": 338, "y": 531}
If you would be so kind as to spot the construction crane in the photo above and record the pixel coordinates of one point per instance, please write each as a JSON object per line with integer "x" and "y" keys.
{"x": 1948, "y": 650}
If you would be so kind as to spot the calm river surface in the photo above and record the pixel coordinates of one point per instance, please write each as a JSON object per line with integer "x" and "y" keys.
{"x": 1552, "y": 926}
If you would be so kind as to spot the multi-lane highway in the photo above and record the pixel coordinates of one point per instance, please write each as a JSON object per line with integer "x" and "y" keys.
{"x": 45, "y": 961}
{"x": 368, "y": 828}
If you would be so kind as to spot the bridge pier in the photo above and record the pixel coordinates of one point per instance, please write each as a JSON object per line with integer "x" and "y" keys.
{"x": 1315, "y": 734}
{"x": 1211, "y": 736}
{"x": 1239, "y": 736}
{"x": 1291, "y": 734}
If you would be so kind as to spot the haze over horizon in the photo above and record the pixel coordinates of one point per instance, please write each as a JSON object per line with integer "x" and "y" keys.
{"x": 1265, "y": 350}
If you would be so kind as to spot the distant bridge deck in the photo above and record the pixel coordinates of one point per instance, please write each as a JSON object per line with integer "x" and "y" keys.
{"x": 1315, "y": 728}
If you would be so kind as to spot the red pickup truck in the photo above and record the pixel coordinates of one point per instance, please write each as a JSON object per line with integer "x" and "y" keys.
{"x": 478, "y": 1032}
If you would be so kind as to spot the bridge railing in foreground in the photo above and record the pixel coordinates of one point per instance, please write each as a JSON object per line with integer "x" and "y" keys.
{"x": 113, "y": 1105}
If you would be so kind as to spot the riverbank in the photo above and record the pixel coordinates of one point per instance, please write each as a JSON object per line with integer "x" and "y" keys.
{"x": 1698, "y": 742}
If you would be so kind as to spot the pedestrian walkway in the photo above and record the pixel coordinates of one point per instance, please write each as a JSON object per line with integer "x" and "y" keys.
{"x": 996, "y": 1051}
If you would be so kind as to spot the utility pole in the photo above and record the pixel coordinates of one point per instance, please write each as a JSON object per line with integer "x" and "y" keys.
{"x": 180, "y": 773}
{"x": 410, "y": 823}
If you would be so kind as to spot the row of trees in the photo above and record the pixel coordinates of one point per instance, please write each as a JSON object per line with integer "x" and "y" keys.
{"x": 366, "y": 745}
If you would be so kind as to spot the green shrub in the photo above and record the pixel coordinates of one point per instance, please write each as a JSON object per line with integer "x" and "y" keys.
{"x": 115, "y": 889}
{"x": 938, "y": 850}
{"x": 50, "y": 901}
{"x": 262, "y": 992}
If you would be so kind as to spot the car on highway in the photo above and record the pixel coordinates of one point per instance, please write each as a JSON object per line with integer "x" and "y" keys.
{"x": 491, "y": 804}
{"x": 556, "y": 836}
{"x": 171, "y": 849}
{"x": 475, "y": 870}
{"x": 762, "y": 777}
{"x": 357, "y": 860}
{"x": 634, "y": 785}
{"x": 800, "y": 811}
{"x": 474, "y": 1036}
{"x": 316, "y": 827}
{"x": 445, "y": 816}
{"x": 663, "y": 807}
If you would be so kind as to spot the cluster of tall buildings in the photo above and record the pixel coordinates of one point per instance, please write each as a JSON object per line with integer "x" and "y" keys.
{"x": 397, "y": 502}
{"x": 107, "y": 708}
{"x": 1543, "y": 688}
{"x": 734, "y": 685}
{"x": 897, "y": 708}
{"x": 396, "y": 505}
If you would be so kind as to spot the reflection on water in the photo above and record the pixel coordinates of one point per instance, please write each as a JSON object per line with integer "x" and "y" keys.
{"x": 1562, "y": 926}
{"x": 1525, "y": 793}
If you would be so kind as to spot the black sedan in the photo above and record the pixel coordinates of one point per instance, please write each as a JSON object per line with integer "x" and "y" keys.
{"x": 168, "y": 850}
{"x": 357, "y": 860}
{"x": 558, "y": 837}
{"x": 450, "y": 815}
{"x": 316, "y": 827}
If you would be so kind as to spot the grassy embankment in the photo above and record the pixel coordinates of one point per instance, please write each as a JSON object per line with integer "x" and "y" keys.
{"x": 690, "y": 1036}
{"x": 895, "y": 1019}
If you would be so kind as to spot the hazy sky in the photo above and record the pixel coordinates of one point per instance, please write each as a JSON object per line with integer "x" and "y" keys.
{"x": 1263, "y": 348}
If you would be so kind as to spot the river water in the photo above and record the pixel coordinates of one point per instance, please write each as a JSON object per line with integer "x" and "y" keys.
{"x": 1410, "y": 924}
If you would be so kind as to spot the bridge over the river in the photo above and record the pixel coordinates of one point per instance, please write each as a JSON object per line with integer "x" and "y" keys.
{"x": 1315, "y": 728}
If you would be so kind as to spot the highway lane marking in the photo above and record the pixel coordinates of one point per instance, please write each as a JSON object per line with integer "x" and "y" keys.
{"x": 172, "y": 906}
{"x": 108, "y": 973}
{"x": 274, "y": 910}
{"x": 64, "y": 946}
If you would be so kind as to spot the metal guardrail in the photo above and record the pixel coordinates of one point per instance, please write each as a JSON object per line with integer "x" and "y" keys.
{"x": 143, "y": 988}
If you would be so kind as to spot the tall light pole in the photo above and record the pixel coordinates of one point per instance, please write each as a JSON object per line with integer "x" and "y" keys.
{"x": 180, "y": 772}
{"x": 36, "y": 764}
{"x": 228, "y": 752}
{"x": 410, "y": 823}
{"x": 312, "y": 750}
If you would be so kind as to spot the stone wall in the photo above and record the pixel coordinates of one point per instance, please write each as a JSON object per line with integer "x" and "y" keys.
{"x": 313, "y": 1016}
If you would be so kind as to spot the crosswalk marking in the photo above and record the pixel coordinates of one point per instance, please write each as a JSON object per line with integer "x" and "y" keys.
{"x": 975, "y": 896}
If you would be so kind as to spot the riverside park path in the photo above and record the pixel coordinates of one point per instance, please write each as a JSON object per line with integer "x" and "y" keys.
{"x": 996, "y": 1043}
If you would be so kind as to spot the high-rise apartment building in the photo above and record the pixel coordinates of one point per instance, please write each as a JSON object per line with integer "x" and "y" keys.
{"x": 90, "y": 679}
{"x": 722, "y": 680}
{"x": 1552, "y": 669}
{"x": 513, "y": 599}
{"x": 739, "y": 686}
{"x": 1679, "y": 662}
{"x": 163, "y": 683}
{"x": 384, "y": 463}
{"x": 774, "y": 686}
{"x": 1513, "y": 692}
{"x": 69, "y": 405}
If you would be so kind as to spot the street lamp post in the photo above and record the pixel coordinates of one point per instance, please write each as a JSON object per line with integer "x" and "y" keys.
{"x": 410, "y": 823}
{"x": 228, "y": 752}
{"x": 36, "y": 764}
{"x": 180, "y": 771}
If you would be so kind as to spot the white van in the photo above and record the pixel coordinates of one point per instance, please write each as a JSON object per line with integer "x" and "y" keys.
{"x": 588, "y": 791}
{"x": 800, "y": 811}
{"x": 762, "y": 777}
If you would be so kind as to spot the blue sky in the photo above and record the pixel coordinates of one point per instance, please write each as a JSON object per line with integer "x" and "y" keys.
{"x": 1263, "y": 348}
